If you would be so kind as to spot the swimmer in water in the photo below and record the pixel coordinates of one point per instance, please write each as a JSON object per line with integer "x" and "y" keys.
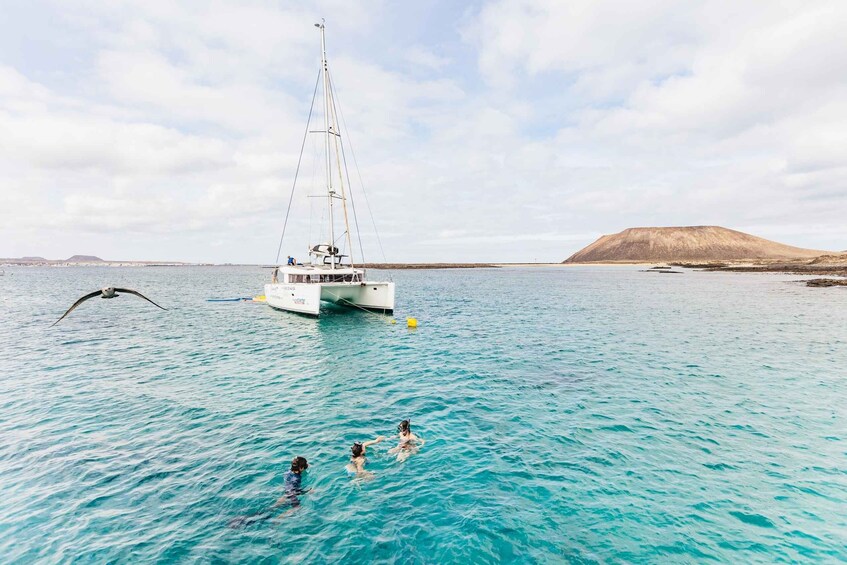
{"x": 409, "y": 442}
{"x": 356, "y": 466}
{"x": 292, "y": 480}
{"x": 292, "y": 488}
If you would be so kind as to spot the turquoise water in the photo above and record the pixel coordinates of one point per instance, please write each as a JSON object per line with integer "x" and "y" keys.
{"x": 578, "y": 414}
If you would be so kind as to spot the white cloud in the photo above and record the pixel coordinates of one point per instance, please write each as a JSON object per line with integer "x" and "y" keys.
{"x": 179, "y": 124}
{"x": 719, "y": 104}
{"x": 54, "y": 141}
{"x": 450, "y": 240}
{"x": 422, "y": 57}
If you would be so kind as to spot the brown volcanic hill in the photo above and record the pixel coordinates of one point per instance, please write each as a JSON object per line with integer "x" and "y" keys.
{"x": 83, "y": 259}
{"x": 693, "y": 243}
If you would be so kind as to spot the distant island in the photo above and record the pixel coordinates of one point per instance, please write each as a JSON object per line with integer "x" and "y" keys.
{"x": 704, "y": 244}
{"x": 72, "y": 260}
{"x": 715, "y": 249}
{"x": 414, "y": 266}
{"x": 92, "y": 260}
{"x": 81, "y": 260}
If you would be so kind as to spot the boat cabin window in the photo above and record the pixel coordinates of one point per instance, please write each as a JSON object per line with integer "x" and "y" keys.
{"x": 340, "y": 278}
{"x": 291, "y": 278}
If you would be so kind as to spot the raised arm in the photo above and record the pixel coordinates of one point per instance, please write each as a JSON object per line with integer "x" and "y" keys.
{"x": 373, "y": 441}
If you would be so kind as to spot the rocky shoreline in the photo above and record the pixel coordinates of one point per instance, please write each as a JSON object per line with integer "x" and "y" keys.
{"x": 828, "y": 265}
{"x": 788, "y": 269}
{"x": 826, "y": 282}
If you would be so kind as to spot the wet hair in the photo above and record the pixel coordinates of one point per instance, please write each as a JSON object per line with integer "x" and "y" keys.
{"x": 405, "y": 426}
{"x": 299, "y": 464}
{"x": 357, "y": 449}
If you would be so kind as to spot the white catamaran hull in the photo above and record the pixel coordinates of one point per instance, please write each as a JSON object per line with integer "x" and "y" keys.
{"x": 306, "y": 298}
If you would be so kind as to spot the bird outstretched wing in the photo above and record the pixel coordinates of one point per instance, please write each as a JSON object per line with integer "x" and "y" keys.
{"x": 77, "y": 303}
{"x": 136, "y": 293}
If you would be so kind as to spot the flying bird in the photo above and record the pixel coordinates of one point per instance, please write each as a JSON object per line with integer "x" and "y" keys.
{"x": 108, "y": 292}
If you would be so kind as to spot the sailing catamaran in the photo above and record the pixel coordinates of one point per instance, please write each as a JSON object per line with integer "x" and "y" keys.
{"x": 327, "y": 277}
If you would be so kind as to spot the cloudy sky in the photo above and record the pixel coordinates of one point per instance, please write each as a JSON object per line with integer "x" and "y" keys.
{"x": 498, "y": 131}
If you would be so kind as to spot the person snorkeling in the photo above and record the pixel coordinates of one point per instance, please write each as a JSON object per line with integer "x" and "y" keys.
{"x": 292, "y": 483}
{"x": 409, "y": 442}
{"x": 356, "y": 466}
{"x": 292, "y": 488}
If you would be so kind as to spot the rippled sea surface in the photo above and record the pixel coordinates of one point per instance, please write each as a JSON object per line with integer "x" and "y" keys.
{"x": 571, "y": 414}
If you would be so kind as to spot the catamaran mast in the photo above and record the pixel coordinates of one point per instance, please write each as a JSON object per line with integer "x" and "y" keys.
{"x": 331, "y": 129}
{"x": 330, "y": 193}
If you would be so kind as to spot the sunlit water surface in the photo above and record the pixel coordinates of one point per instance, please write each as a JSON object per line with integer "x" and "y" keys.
{"x": 581, "y": 414}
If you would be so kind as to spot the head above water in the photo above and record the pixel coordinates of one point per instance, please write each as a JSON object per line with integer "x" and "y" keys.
{"x": 358, "y": 449}
{"x": 299, "y": 464}
{"x": 405, "y": 427}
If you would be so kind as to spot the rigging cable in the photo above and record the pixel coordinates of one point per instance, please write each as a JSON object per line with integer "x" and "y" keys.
{"x": 365, "y": 194}
{"x": 338, "y": 161}
{"x": 297, "y": 170}
{"x": 312, "y": 189}
{"x": 347, "y": 172}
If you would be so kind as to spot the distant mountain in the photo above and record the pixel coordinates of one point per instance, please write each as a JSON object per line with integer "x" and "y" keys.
{"x": 84, "y": 259}
{"x": 692, "y": 243}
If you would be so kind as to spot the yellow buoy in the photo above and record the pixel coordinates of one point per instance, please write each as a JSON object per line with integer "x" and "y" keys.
{"x": 411, "y": 322}
{"x": 393, "y": 321}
